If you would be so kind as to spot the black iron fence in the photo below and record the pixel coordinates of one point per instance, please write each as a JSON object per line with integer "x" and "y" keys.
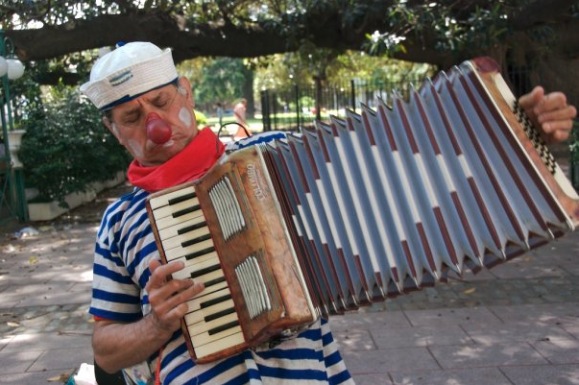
{"x": 298, "y": 107}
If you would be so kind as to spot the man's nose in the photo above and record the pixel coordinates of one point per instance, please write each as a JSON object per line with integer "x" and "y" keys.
{"x": 158, "y": 130}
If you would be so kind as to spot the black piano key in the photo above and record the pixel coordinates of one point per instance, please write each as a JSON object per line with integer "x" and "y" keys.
{"x": 223, "y": 327}
{"x": 199, "y": 253}
{"x": 191, "y": 228}
{"x": 182, "y": 198}
{"x": 193, "y": 241}
{"x": 215, "y": 301}
{"x": 206, "y": 270}
{"x": 214, "y": 281}
{"x": 188, "y": 210}
{"x": 219, "y": 314}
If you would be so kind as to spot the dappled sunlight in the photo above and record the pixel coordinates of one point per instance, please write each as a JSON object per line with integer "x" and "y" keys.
{"x": 53, "y": 258}
{"x": 560, "y": 344}
{"x": 23, "y": 338}
{"x": 360, "y": 340}
{"x": 520, "y": 331}
{"x": 571, "y": 378}
{"x": 5, "y": 339}
{"x": 558, "y": 351}
{"x": 507, "y": 353}
{"x": 488, "y": 341}
{"x": 86, "y": 276}
{"x": 469, "y": 353}
{"x": 53, "y": 244}
{"x": 411, "y": 381}
{"x": 543, "y": 375}
{"x": 42, "y": 327}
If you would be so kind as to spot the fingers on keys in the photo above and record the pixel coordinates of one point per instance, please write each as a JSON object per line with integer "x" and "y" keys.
{"x": 168, "y": 297}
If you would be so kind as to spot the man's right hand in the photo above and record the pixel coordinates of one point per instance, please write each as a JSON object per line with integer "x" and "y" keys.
{"x": 118, "y": 345}
{"x": 168, "y": 297}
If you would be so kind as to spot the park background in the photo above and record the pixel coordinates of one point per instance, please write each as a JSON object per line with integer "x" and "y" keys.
{"x": 294, "y": 61}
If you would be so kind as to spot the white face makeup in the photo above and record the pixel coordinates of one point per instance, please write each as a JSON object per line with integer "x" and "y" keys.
{"x": 185, "y": 116}
{"x": 135, "y": 148}
{"x": 173, "y": 106}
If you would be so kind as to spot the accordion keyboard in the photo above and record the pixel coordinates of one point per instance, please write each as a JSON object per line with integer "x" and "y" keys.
{"x": 212, "y": 322}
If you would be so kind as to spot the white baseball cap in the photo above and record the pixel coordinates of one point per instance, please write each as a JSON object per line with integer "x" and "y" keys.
{"x": 128, "y": 72}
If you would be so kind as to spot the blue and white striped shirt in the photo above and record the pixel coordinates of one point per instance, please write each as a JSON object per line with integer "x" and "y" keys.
{"x": 125, "y": 244}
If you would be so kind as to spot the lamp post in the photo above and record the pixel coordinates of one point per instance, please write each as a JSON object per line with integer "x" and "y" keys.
{"x": 13, "y": 194}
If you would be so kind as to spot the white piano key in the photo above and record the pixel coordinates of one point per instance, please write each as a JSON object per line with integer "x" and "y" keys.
{"x": 219, "y": 285}
{"x": 180, "y": 223}
{"x": 191, "y": 272}
{"x": 190, "y": 250}
{"x": 164, "y": 199}
{"x": 178, "y": 240}
{"x": 224, "y": 341}
{"x": 207, "y": 279}
{"x": 201, "y": 259}
{"x": 200, "y": 315}
{"x": 207, "y": 327}
{"x": 204, "y": 297}
{"x": 171, "y": 210}
{"x": 168, "y": 222}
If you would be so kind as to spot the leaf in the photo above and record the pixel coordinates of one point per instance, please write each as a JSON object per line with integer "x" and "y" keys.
{"x": 470, "y": 291}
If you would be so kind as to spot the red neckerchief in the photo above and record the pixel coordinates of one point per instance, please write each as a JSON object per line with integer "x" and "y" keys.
{"x": 190, "y": 164}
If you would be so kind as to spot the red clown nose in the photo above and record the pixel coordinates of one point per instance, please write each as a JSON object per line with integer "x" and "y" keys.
{"x": 158, "y": 131}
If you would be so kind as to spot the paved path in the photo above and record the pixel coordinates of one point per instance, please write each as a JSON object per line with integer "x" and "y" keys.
{"x": 517, "y": 324}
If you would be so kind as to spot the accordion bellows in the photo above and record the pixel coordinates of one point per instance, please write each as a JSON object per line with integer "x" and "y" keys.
{"x": 362, "y": 208}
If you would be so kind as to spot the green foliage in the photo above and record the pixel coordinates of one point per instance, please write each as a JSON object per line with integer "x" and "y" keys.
{"x": 201, "y": 118}
{"x": 574, "y": 143}
{"x": 307, "y": 102}
{"x": 66, "y": 147}
{"x": 222, "y": 81}
{"x": 441, "y": 26}
{"x": 25, "y": 94}
{"x": 283, "y": 72}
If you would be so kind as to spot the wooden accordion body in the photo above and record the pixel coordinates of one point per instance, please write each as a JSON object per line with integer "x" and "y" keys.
{"x": 361, "y": 209}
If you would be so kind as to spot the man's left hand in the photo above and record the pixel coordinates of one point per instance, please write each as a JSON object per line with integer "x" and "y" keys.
{"x": 550, "y": 113}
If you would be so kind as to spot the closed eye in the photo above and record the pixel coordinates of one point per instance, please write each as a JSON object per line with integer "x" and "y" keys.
{"x": 131, "y": 117}
{"x": 163, "y": 100}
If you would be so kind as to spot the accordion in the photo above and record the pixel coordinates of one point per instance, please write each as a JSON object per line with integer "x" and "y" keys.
{"x": 360, "y": 209}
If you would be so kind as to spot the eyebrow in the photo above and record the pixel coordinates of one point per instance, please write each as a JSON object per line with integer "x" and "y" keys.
{"x": 137, "y": 108}
{"x": 135, "y": 111}
{"x": 129, "y": 113}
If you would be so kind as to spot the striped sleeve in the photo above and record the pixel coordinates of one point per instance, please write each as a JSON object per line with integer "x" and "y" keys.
{"x": 116, "y": 295}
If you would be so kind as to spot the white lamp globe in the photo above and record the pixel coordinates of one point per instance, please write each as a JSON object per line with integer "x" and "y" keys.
{"x": 3, "y": 66}
{"x": 15, "y": 69}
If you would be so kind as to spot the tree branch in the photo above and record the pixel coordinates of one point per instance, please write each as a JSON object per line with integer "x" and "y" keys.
{"x": 326, "y": 26}
{"x": 542, "y": 12}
